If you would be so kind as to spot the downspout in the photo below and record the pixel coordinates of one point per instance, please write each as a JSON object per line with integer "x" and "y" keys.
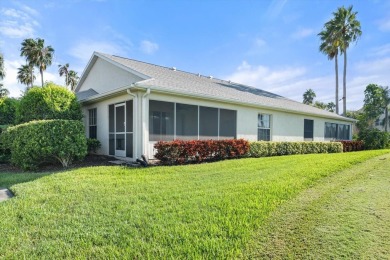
{"x": 135, "y": 120}
{"x": 145, "y": 148}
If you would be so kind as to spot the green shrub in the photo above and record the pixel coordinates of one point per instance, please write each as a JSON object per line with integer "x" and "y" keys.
{"x": 39, "y": 141}
{"x": 5, "y": 153}
{"x": 93, "y": 145}
{"x": 374, "y": 139}
{"x": 264, "y": 149}
{"x": 8, "y": 107}
{"x": 49, "y": 102}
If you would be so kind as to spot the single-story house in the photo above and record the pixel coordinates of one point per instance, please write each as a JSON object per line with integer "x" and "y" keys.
{"x": 129, "y": 105}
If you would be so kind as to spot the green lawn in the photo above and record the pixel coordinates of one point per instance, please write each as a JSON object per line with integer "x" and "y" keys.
{"x": 199, "y": 211}
{"x": 346, "y": 215}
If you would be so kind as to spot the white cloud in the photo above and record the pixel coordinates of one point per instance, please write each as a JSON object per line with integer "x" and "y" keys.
{"x": 18, "y": 23}
{"x": 382, "y": 50}
{"x": 292, "y": 82}
{"x": 15, "y": 88}
{"x": 83, "y": 50}
{"x": 302, "y": 33}
{"x": 384, "y": 25}
{"x": 148, "y": 47}
{"x": 275, "y": 9}
{"x": 263, "y": 77}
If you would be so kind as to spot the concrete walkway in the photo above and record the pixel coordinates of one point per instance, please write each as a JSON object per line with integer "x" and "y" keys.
{"x": 5, "y": 194}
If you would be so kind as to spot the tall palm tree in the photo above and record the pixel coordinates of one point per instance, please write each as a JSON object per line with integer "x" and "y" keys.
{"x": 346, "y": 29}
{"x": 330, "y": 47}
{"x": 2, "y": 71}
{"x": 27, "y": 50}
{"x": 26, "y": 75}
{"x": 64, "y": 70}
{"x": 73, "y": 79}
{"x": 37, "y": 54}
{"x": 308, "y": 97}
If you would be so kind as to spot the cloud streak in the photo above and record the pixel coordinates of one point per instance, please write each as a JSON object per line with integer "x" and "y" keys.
{"x": 148, "y": 47}
{"x": 18, "y": 23}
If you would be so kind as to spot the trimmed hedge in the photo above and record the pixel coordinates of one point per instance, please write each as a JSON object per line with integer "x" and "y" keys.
{"x": 37, "y": 141}
{"x": 352, "y": 146}
{"x": 180, "y": 152}
{"x": 50, "y": 102}
{"x": 264, "y": 149}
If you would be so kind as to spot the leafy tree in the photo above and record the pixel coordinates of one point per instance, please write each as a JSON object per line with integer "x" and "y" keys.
{"x": 330, "y": 47}
{"x": 73, "y": 79}
{"x": 344, "y": 29}
{"x": 26, "y": 75}
{"x": 331, "y": 107}
{"x": 3, "y": 91}
{"x": 50, "y": 102}
{"x": 377, "y": 102}
{"x": 37, "y": 54}
{"x": 320, "y": 105}
{"x": 308, "y": 97}
{"x": 8, "y": 108}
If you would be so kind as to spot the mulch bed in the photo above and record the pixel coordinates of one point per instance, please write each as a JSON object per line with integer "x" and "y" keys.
{"x": 90, "y": 160}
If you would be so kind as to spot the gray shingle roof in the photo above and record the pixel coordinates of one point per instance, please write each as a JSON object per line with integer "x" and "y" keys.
{"x": 86, "y": 94}
{"x": 190, "y": 83}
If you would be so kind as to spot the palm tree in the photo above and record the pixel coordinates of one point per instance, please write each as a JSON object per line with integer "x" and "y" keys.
{"x": 330, "y": 47}
{"x": 64, "y": 70}
{"x": 26, "y": 75}
{"x": 346, "y": 29}
{"x": 73, "y": 79}
{"x": 3, "y": 91}
{"x": 309, "y": 96}
{"x": 386, "y": 104}
{"x": 2, "y": 71}
{"x": 37, "y": 54}
{"x": 27, "y": 50}
{"x": 331, "y": 107}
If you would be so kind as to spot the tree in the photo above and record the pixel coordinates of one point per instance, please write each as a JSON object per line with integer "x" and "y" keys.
{"x": 344, "y": 29}
{"x": 8, "y": 110}
{"x": 50, "y": 102}
{"x": 3, "y": 91}
{"x": 309, "y": 96}
{"x": 2, "y": 71}
{"x": 26, "y": 75}
{"x": 377, "y": 102}
{"x": 320, "y": 105}
{"x": 37, "y": 54}
{"x": 330, "y": 47}
{"x": 73, "y": 79}
{"x": 63, "y": 70}
{"x": 331, "y": 107}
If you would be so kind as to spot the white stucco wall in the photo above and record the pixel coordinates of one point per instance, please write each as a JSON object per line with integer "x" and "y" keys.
{"x": 284, "y": 126}
{"x": 104, "y": 77}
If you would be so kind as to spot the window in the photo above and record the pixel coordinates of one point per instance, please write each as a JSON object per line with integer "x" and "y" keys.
{"x": 227, "y": 124}
{"x": 308, "y": 130}
{"x": 337, "y": 131}
{"x": 169, "y": 121}
{"x": 186, "y": 122}
{"x": 92, "y": 123}
{"x": 264, "y": 127}
{"x": 208, "y": 123}
{"x": 161, "y": 121}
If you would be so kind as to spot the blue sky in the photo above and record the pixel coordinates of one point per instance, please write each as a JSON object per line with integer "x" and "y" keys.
{"x": 271, "y": 45}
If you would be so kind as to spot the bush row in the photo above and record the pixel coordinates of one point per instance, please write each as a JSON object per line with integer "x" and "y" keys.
{"x": 34, "y": 142}
{"x": 374, "y": 139}
{"x": 179, "y": 152}
{"x": 352, "y": 146}
{"x": 264, "y": 149}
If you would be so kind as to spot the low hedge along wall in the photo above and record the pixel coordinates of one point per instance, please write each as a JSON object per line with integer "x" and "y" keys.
{"x": 263, "y": 149}
{"x": 38, "y": 141}
{"x": 180, "y": 152}
{"x": 352, "y": 146}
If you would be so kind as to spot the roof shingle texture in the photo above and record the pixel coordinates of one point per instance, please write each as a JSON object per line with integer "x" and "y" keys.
{"x": 185, "y": 82}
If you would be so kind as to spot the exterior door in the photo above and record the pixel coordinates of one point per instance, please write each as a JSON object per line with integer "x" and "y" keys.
{"x": 120, "y": 130}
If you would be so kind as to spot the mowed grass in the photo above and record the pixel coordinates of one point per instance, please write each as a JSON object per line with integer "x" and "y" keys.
{"x": 197, "y": 211}
{"x": 346, "y": 215}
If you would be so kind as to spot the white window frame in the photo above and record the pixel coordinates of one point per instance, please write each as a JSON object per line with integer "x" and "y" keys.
{"x": 259, "y": 127}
